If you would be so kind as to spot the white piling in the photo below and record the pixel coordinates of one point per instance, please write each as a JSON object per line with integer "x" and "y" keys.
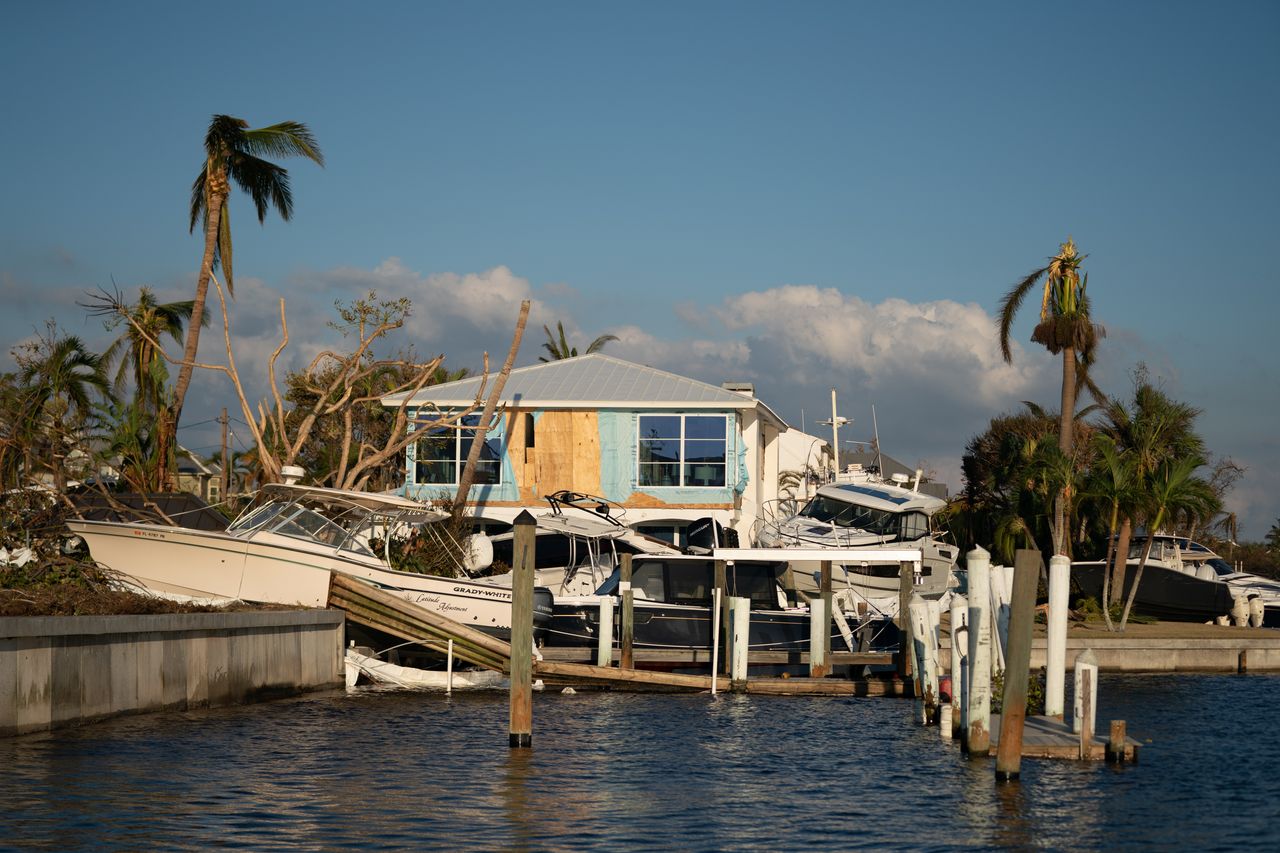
{"x": 926, "y": 660}
{"x": 978, "y": 728}
{"x": 1085, "y": 713}
{"x": 818, "y": 623}
{"x": 959, "y": 661}
{"x": 998, "y": 584}
{"x": 604, "y": 647}
{"x": 1056, "y": 636}
{"x": 715, "y": 639}
{"x": 741, "y": 609}
{"x": 448, "y": 681}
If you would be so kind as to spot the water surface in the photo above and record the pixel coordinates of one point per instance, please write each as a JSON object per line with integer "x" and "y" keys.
{"x": 377, "y": 769}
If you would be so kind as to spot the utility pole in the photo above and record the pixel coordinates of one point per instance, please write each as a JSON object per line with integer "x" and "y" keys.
{"x": 226, "y": 471}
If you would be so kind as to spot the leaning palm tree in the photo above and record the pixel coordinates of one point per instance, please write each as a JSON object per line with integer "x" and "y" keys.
{"x": 1065, "y": 329}
{"x": 1112, "y": 482}
{"x": 233, "y": 151}
{"x": 1173, "y": 491}
{"x": 558, "y": 347}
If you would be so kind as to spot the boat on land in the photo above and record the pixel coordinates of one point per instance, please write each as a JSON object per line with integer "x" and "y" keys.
{"x": 863, "y": 511}
{"x": 1184, "y": 581}
{"x": 284, "y": 547}
{"x": 675, "y": 610}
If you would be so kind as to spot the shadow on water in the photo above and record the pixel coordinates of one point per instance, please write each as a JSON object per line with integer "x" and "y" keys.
{"x": 381, "y": 769}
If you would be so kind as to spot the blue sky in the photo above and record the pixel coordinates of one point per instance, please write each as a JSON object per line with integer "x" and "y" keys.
{"x": 802, "y": 195}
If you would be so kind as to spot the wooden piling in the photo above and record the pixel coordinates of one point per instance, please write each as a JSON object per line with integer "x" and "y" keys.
{"x": 824, "y": 586}
{"x": 923, "y": 645}
{"x": 720, "y": 620}
{"x": 959, "y": 664}
{"x": 604, "y": 643}
{"x": 627, "y": 654}
{"x": 906, "y": 586}
{"x": 819, "y": 622}
{"x": 1116, "y": 743}
{"x": 522, "y": 632}
{"x": 1022, "y": 618}
{"x": 741, "y": 644}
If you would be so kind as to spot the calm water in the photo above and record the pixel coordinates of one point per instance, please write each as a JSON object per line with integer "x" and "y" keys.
{"x": 398, "y": 770}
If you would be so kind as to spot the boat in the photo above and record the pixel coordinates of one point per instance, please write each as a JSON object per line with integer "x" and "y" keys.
{"x": 674, "y": 609}
{"x": 1180, "y": 583}
{"x": 863, "y": 511}
{"x": 283, "y": 548}
{"x": 579, "y": 542}
{"x": 362, "y": 665}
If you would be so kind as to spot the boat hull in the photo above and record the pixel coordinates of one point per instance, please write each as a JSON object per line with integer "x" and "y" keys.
{"x": 1164, "y": 593}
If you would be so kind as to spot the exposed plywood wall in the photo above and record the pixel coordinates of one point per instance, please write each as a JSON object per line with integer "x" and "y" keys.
{"x": 565, "y": 453}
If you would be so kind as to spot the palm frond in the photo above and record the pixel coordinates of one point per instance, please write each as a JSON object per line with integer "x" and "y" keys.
{"x": 1009, "y": 306}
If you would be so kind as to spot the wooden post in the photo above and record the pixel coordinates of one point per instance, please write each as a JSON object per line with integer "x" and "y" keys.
{"x": 716, "y": 597}
{"x": 1115, "y": 745}
{"x": 824, "y": 587}
{"x": 906, "y": 586}
{"x": 522, "y": 632}
{"x": 1084, "y": 713}
{"x": 741, "y": 644}
{"x": 977, "y": 738}
{"x": 721, "y": 624}
{"x": 627, "y": 654}
{"x": 819, "y": 623}
{"x": 604, "y": 643}
{"x": 959, "y": 664}
{"x": 1056, "y": 636}
{"x": 224, "y": 484}
{"x": 1022, "y": 620}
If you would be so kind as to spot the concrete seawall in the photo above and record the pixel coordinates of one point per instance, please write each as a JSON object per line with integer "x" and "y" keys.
{"x": 64, "y": 671}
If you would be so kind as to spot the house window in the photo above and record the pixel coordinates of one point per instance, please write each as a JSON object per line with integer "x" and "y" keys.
{"x": 683, "y": 450}
{"x": 442, "y": 453}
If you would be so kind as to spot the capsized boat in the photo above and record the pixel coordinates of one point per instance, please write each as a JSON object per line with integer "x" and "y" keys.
{"x": 863, "y": 511}
{"x": 283, "y": 548}
{"x": 1179, "y": 584}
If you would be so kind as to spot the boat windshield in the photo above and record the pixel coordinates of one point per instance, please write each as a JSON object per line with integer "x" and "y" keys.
{"x": 845, "y": 514}
{"x": 331, "y": 523}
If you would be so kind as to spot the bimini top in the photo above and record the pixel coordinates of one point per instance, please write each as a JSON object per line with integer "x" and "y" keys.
{"x": 882, "y": 496}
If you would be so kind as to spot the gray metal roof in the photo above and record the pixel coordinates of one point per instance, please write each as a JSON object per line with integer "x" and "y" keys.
{"x": 595, "y": 380}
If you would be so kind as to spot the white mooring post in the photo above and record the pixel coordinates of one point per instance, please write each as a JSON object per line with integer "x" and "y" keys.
{"x": 715, "y": 639}
{"x": 604, "y": 643}
{"x": 741, "y": 643}
{"x": 978, "y": 729}
{"x": 1084, "y": 715}
{"x": 1001, "y": 594}
{"x": 818, "y": 622}
{"x": 923, "y": 644}
{"x": 1056, "y": 636}
{"x": 959, "y": 663}
{"x": 448, "y": 682}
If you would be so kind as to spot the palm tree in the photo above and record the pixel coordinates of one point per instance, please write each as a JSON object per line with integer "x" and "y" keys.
{"x": 1273, "y": 537}
{"x": 1112, "y": 481}
{"x": 1173, "y": 492}
{"x": 1065, "y": 328}
{"x": 232, "y": 152}
{"x": 558, "y": 347}
{"x": 57, "y": 382}
{"x": 1156, "y": 430}
{"x": 138, "y": 347}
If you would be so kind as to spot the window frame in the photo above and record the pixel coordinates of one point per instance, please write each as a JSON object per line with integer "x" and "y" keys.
{"x": 459, "y": 461}
{"x": 683, "y": 441}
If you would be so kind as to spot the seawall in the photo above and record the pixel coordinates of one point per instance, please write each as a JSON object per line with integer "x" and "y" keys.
{"x": 66, "y": 670}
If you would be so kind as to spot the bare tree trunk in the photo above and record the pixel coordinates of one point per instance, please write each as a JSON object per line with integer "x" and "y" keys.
{"x": 1106, "y": 573}
{"x": 169, "y": 419}
{"x": 477, "y": 442}
{"x": 1137, "y": 579}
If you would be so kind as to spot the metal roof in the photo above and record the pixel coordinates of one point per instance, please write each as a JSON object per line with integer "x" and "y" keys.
{"x": 594, "y": 380}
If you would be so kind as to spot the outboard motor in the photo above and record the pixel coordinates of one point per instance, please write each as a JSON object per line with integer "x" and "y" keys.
{"x": 703, "y": 535}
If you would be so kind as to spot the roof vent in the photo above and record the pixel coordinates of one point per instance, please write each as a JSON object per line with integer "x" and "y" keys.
{"x": 745, "y": 388}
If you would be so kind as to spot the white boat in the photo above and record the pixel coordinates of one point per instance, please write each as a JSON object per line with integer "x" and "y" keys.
{"x": 283, "y": 548}
{"x": 365, "y": 667}
{"x": 861, "y": 510}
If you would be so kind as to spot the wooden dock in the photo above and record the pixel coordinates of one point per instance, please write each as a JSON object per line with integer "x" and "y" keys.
{"x": 1049, "y": 737}
{"x": 366, "y": 604}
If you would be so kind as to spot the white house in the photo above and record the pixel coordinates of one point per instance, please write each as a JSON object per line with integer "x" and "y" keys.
{"x": 667, "y": 448}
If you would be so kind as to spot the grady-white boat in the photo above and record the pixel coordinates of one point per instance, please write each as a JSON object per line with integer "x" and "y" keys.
{"x": 862, "y": 511}
{"x": 283, "y": 548}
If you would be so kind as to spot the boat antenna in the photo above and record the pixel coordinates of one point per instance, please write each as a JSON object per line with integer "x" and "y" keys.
{"x": 875, "y": 440}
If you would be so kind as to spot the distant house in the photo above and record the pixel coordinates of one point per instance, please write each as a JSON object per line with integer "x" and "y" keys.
{"x": 667, "y": 448}
{"x": 196, "y": 477}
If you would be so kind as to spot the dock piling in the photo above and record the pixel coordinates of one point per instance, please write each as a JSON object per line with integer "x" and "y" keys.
{"x": 1116, "y": 743}
{"x": 1056, "y": 636}
{"x": 959, "y": 664}
{"x": 977, "y": 739}
{"x": 818, "y": 622}
{"x": 741, "y": 643}
{"x": 1022, "y": 617}
{"x": 627, "y": 653}
{"x": 604, "y": 643}
{"x": 521, "y": 676}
